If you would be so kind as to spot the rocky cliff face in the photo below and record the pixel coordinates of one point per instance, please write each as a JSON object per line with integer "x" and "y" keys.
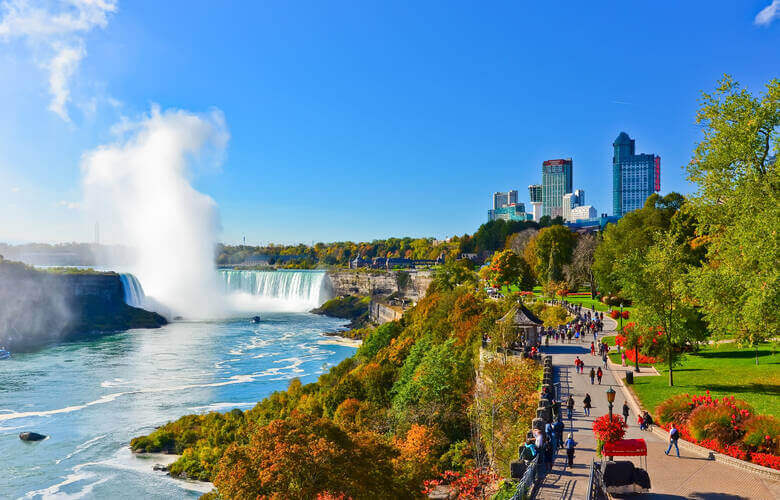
{"x": 37, "y": 308}
{"x": 407, "y": 284}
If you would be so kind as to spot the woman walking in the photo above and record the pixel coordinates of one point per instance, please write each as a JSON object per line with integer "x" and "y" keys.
{"x": 592, "y": 349}
{"x": 625, "y": 412}
{"x": 592, "y": 375}
{"x": 569, "y": 446}
{"x": 586, "y": 404}
{"x": 599, "y": 374}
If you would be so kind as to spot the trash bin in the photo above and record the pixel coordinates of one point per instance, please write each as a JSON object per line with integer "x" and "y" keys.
{"x": 629, "y": 377}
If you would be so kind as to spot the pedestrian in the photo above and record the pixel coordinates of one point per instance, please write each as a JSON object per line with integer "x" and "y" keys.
{"x": 570, "y": 406}
{"x": 623, "y": 356}
{"x": 625, "y": 412}
{"x": 604, "y": 358}
{"x": 674, "y": 435}
{"x": 569, "y": 446}
{"x": 586, "y": 404}
{"x": 549, "y": 455}
{"x": 599, "y": 374}
{"x": 577, "y": 364}
{"x": 592, "y": 375}
{"x": 529, "y": 451}
{"x": 558, "y": 433}
{"x": 592, "y": 349}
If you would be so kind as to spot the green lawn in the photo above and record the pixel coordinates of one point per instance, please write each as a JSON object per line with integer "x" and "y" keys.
{"x": 724, "y": 370}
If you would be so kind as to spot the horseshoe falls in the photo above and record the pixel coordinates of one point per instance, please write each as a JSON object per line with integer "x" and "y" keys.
{"x": 275, "y": 290}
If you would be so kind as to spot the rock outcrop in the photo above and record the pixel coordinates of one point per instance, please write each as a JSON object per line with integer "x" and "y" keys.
{"x": 31, "y": 436}
{"x": 412, "y": 284}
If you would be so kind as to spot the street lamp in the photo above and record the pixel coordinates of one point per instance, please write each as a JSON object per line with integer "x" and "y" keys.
{"x": 610, "y": 400}
{"x": 621, "y": 316}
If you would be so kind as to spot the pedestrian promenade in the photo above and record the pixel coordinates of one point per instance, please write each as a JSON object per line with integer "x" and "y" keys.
{"x": 688, "y": 477}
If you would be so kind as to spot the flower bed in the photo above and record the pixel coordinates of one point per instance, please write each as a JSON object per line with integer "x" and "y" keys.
{"x": 607, "y": 430}
{"x": 726, "y": 425}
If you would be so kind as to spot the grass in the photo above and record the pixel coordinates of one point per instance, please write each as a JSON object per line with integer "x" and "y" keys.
{"x": 724, "y": 370}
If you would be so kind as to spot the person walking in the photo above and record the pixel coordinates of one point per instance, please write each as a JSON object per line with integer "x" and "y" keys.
{"x": 625, "y": 412}
{"x": 623, "y": 356}
{"x": 604, "y": 358}
{"x": 569, "y": 446}
{"x": 558, "y": 433}
{"x": 592, "y": 375}
{"x": 570, "y": 407}
{"x": 592, "y": 349}
{"x": 599, "y": 374}
{"x": 586, "y": 404}
{"x": 674, "y": 435}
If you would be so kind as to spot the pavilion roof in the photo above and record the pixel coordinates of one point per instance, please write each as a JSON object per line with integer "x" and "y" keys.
{"x": 521, "y": 316}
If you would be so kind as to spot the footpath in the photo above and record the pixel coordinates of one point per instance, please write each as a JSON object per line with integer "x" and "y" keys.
{"x": 689, "y": 477}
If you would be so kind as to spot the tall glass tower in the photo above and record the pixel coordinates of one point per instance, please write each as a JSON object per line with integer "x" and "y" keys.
{"x": 634, "y": 176}
{"x": 556, "y": 182}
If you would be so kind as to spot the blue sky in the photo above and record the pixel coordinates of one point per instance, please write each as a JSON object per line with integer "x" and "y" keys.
{"x": 361, "y": 120}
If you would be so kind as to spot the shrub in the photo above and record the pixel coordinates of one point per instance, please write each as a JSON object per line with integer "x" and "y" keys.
{"x": 608, "y": 431}
{"x": 762, "y": 434}
{"x": 675, "y": 409}
{"x": 718, "y": 420}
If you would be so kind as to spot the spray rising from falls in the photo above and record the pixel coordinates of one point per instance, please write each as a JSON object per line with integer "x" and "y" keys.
{"x": 139, "y": 189}
{"x": 276, "y": 290}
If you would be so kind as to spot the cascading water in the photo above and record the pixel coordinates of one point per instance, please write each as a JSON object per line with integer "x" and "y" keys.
{"x": 134, "y": 292}
{"x": 276, "y": 290}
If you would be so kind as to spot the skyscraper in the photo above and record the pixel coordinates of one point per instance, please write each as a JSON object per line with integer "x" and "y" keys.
{"x": 504, "y": 199}
{"x": 535, "y": 193}
{"x": 634, "y": 176}
{"x": 556, "y": 181}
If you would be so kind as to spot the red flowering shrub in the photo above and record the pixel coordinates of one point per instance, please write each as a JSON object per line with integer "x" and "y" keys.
{"x": 626, "y": 314}
{"x": 718, "y": 419}
{"x": 762, "y": 434}
{"x": 469, "y": 485}
{"x": 607, "y": 430}
{"x": 614, "y": 314}
{"x": 766, "y": 459}
{"x": 648, "y": 360}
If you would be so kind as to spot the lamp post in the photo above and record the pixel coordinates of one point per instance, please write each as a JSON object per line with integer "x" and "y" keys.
{"x": 621, "y": 316}
{"x": 610, "y": 400}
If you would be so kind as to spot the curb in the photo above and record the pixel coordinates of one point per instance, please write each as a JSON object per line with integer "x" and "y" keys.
{"x": 759, "y": 470}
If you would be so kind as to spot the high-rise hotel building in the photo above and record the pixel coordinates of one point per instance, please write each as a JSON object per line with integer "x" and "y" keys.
{"x": 556, "y": 181}
{"x": 634, "y": 176}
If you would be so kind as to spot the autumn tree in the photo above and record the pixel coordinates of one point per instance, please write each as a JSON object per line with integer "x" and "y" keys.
{"x": 738, "y": 208}
{"x": 507, "y": 268}
{"x": 553, "y": 248}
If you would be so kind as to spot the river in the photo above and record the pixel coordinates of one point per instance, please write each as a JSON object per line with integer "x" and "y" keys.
{"x": 91, "y": 397}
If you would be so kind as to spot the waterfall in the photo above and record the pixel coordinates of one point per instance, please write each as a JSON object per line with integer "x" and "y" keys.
{"x": 276, "y": 290}
{"x": 134, "y": 292}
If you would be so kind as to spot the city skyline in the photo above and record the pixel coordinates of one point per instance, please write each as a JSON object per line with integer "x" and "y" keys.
{"x": 328, "y": 117}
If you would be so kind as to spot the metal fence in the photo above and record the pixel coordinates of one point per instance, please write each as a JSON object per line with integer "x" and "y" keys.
{"x": 526, "y": 485}
{"x": 595, "y": 483}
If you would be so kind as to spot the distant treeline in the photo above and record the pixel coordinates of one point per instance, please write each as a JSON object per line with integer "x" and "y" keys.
{"x": 488, "y": 238}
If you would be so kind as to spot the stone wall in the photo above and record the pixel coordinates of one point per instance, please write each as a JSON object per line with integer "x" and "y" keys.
{"x": 381, "y": 313}
{"x": 412, "y": 284}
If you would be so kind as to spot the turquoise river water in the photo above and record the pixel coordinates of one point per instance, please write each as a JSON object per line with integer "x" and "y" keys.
{"x": 91, "y": 397}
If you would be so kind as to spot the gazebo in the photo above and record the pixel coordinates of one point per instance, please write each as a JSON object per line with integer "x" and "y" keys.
{"x": 524, "y": 323}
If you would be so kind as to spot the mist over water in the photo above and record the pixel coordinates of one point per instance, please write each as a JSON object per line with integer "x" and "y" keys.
{"x": 139, "y": 189}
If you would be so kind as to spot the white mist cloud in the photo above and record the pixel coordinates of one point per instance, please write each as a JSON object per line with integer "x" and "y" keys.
{"x": 768, "y": 14}
{"x": 55, "y": 30}
{"x": 139, "y": 187}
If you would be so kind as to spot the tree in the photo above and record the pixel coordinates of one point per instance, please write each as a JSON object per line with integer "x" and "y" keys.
{"x": 553, "y": 248}
{"x": 581, "y": 268}
{"x": 738, "y": 208}
{"x": 453, "y": 274}
{"x": 657, "y": 283}
{"x": 634, "y": 232}
{"x": 518, "y": 241}
{"x": 507, "y": 268}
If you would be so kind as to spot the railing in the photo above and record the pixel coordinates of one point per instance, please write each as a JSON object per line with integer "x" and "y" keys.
{"x": 595, "y": 483}
{"x": 528, "y": 481}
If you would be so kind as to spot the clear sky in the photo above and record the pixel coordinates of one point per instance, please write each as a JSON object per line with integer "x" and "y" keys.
{"x": 363, "y": 119}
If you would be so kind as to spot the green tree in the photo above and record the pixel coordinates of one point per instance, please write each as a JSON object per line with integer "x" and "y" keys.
{"x": 553, "y": 248}
{"x": 657, "y": 283}
{"x": 634, "y": 232}
{"x": 508, "y": 268}
{"x": 738, "y": 208}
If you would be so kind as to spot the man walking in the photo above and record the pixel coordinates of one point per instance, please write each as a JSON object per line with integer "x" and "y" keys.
{"x": 569, "y": 446}
{"x": 625, "y": 412}
{"x": 674, "y": 435}
{"x": 586, "y": 404}
{"x": 570, "y": 407}
{"x": 592, "y": 375}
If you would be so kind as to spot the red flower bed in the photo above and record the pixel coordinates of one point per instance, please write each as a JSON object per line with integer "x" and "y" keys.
{"x": 723, "y": 425}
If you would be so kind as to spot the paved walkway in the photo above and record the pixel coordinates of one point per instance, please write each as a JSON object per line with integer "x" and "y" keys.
{"x": 690, "y": 476}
